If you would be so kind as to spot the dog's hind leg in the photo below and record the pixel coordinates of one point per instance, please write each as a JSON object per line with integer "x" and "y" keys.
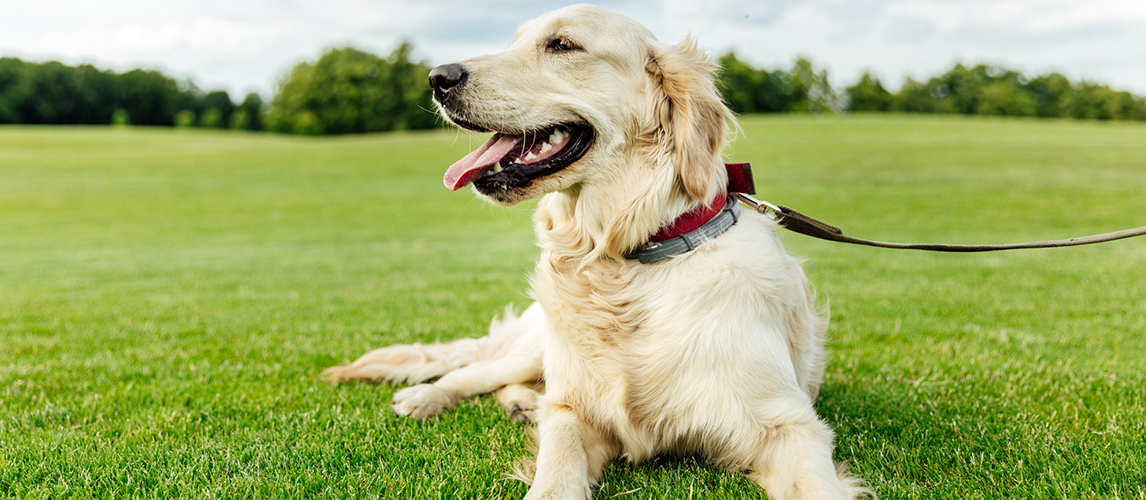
{"x": 794, "y": 457}
{"x": 517, "y": 361}
{"x": 425, "y": 400}
{"x": 409, "y": 363}
{"x": 418, "y": 363}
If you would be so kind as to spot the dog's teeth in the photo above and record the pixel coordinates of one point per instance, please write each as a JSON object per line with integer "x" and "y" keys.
{"x": 530, "y": 157}
{"x": 497, "y": 167}
{"x": 557, "y": 137}
{"x": 546, "y": 147}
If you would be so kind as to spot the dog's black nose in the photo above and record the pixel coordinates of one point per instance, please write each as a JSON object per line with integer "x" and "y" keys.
{"x": 447, "y": 76}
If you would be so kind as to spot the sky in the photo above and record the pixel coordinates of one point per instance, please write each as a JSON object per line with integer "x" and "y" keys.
{"x": 248, "y": 45}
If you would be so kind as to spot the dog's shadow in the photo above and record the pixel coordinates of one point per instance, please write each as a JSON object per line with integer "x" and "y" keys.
{"x": 668, "y": 476}
{"x": 911, "y": 439}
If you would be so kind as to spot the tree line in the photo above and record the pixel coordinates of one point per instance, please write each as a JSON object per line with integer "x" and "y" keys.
{"x": 352, "y": 91}
{"x": 993, "y": 90}
{"x": 52, "y": 93}
{"x": 979, "y": 90}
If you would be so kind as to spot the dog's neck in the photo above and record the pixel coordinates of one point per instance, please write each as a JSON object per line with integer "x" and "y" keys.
{"x": 603, "y": 221}
{"x": 573, "y": 224}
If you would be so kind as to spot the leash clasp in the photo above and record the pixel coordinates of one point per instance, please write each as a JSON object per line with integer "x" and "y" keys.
{"x": 760, "y": 206}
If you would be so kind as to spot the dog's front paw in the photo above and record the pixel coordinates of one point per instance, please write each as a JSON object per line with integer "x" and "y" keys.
{"x": 421, "y": 401}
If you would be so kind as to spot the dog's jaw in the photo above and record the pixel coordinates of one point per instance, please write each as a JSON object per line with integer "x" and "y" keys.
{"x": 514, "y": 161}
{"x": 521, "y": 161}
{"x": 517, "y": 180}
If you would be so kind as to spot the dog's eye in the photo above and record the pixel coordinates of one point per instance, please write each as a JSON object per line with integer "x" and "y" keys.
{"x": 560, "y": 45}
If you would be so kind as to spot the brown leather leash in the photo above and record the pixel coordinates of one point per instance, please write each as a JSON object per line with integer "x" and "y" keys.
{"x": 800, "y": 223}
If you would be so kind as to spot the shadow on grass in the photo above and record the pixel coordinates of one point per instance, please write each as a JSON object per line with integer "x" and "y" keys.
{"x": 911, "y": 439}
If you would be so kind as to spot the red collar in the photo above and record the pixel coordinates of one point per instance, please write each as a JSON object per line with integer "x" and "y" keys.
{"x": 739, "y": 181}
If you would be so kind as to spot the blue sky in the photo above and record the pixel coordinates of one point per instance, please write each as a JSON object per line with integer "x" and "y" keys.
{"x": 246, "y": 46}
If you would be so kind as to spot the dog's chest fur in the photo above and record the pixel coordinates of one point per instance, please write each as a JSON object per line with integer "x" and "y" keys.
{"x": 595, "y": 323}
{"x": 635, "y": 337}
{"x": 597, "y": 319}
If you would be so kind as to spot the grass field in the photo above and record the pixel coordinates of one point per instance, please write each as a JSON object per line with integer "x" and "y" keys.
{"x": 169, "y": 298}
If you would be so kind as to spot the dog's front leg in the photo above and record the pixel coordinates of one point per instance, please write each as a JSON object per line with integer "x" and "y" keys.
{"x": 570, "y": 456}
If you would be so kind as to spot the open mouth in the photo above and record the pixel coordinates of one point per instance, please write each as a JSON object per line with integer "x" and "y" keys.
{"x": 515, "y": 160}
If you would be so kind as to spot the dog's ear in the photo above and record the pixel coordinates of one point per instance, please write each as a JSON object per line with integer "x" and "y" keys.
{"x": 689, "y": 119}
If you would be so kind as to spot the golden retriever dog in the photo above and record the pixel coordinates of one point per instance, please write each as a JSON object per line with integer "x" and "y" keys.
{"x": 716, "y": 352}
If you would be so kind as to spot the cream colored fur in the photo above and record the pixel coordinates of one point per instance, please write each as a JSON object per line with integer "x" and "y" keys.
{"x": 717, "y": 352}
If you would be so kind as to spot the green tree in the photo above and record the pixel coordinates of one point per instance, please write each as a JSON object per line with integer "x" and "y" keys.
{"x": 1052, "y": 94}
{"x": 253, "y": 106}
{"x": 1004, "y": 98}
{"x": 52, "y": 93}
{"x": 747, "y": 89}
{"x": 1093, "y": 102}
{"x": 120, "y": 118}
{"x": 211, "y": 118}
{"x": 351, "y": 91}
{"x": 868, "y": 95}
{"x": 92, "y": 102}
{"x": 11, "y": 76}
{"x": 956, "y": 91}
{"x": 185, "y": 119}
{"x": 150, "y": 97}
{"x": 1131, "y": 107}
{"x": 914, "y": 97}
{"x": 739, "y": 85}
{"x": 239, "y": 120}
{"x": 810, "y": 89}
{"x": 220, "y": 101}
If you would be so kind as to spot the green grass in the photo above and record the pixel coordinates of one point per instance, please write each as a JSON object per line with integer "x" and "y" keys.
{"x": 168, "y": 299}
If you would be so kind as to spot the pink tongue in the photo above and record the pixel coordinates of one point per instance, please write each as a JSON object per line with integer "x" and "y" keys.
{"x": 469, "y": 168}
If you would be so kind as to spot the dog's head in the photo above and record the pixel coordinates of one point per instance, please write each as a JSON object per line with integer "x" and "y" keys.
{"x": 582, "y": 95}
